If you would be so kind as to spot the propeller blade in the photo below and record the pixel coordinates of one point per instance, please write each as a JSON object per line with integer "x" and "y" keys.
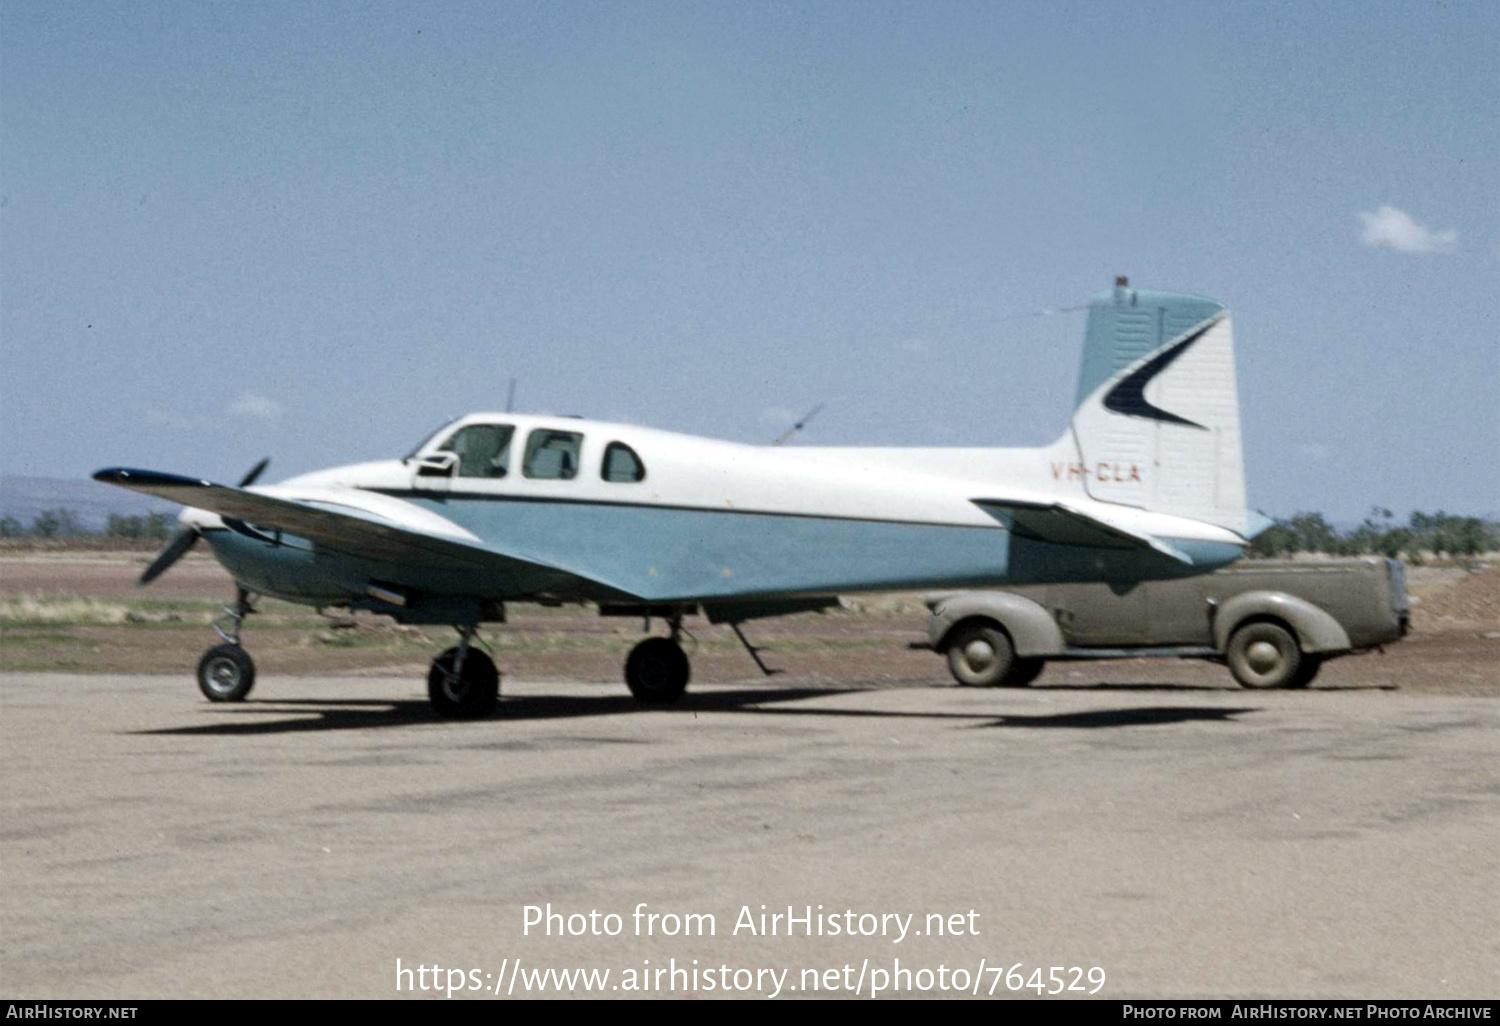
{"x": 175, "y": 550}
{"x": 255, "y": 472}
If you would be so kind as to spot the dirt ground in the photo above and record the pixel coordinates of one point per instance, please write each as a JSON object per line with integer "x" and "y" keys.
{"x": 81, "y": 612}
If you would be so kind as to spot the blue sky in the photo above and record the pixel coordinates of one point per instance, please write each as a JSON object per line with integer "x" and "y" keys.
{"x": 314, "y": 231}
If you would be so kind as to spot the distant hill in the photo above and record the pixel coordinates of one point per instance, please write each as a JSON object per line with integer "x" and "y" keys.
{"x": 24, "y": 497}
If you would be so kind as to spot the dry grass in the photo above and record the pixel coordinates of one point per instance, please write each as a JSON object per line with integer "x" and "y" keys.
{"x": 39, "y": 610}
{"x": 31, "y": 609}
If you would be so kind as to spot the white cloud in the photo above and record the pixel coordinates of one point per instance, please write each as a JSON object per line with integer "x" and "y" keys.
{"x": 1396, "y": 229}
{"x": 255, "y": 407}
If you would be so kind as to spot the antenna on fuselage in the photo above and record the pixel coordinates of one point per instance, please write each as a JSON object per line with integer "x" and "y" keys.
{"x": 792, "y": 431}
{"x": 510, "y": 397}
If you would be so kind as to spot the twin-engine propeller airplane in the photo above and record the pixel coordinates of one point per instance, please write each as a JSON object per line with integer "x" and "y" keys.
{"x": 1145, "y": 483}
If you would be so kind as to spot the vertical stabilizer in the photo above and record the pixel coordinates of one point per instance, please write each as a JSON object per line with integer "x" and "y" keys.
{"x": 1157, "y": 423}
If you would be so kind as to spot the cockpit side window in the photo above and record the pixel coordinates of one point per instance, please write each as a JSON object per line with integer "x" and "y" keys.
{"x": 621, "y": 464}
{"x": 552, "y": 454}
{"x": 483, "y": 450}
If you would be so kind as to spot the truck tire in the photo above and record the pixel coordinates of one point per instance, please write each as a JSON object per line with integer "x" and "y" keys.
{"x": 1311, "y": 664}
{"x": 1262, "y": 654}
{"x": 1023, "y": 672}
{"x": 980, "y": 655}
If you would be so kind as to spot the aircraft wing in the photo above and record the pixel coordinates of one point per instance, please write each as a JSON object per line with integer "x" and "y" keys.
{"x": 1057, "y": 522}
{"x": 348, "y": 529}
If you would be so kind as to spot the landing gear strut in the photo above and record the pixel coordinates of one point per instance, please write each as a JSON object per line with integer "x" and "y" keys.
{"x": 226, "y": 673}
{"x": 657, "y": 670}
{"x": 463, "y": 682}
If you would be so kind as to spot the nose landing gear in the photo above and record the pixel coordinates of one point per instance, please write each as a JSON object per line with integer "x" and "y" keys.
{"x": 226, "y": 672}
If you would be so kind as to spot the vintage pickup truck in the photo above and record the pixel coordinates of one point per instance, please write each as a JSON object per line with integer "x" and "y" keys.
{"x": 1273, "y": 622}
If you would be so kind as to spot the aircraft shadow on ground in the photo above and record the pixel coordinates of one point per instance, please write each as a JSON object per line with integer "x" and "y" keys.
{"x": 368, "y": 714}
{"x": 1140, "y": 717}
{"x": 363, "y": 714}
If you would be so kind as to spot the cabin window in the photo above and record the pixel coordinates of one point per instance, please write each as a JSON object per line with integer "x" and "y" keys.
{"x": 483, "y": 450}
{"x": 622, "y": 464}
{"x": 552, "y": 454}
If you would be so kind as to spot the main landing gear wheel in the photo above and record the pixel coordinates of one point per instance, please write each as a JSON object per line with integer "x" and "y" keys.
{"x": 471, "y": 692}
{"x": 226, "y": 674}
{"x": 657, "y": 671}
{"x": 1265, "y": 655}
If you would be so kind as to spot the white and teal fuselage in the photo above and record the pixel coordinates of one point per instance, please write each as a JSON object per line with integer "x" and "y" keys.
{"x": 715, "y": 522}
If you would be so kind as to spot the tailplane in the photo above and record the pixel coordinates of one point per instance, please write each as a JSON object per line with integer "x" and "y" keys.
{"x": 1157, "y": 422}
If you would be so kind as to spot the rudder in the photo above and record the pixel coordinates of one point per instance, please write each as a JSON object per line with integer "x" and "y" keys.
{"x": 1157, "y": 423}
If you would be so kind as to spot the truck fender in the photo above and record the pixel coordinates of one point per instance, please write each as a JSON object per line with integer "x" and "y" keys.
{"x": 1316, "y": 631}
{"x": 1032, "y": 630}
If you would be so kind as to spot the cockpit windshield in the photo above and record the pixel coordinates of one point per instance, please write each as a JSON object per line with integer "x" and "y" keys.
{"x": 444, "y": 426}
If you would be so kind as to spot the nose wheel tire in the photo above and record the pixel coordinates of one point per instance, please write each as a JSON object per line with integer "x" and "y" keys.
{"x": 657, "y": 671}
{"x": 471, "y": 693}
{"x": 226, "y": 674}
{"x": 1266, "y": 655}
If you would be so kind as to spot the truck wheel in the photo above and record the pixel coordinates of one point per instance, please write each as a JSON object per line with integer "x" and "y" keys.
{"x": 1023, "y": 672}
{"x": 1264, "y": 655}
{"x": 980, "y": 655}
{"x": 1311, "y": 664}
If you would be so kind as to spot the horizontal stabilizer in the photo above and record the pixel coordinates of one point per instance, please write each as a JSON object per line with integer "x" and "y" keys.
{"x": 1062, "y": 525}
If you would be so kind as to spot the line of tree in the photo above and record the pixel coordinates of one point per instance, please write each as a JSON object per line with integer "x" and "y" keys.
{"x": 65, "y": 523}
{"x": 1380, "y": 534}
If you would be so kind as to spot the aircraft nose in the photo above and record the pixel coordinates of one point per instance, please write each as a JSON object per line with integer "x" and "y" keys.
{"x": 199, "y": 519}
